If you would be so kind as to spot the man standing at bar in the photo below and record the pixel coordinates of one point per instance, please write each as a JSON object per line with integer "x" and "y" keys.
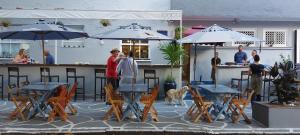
{"x": 213, "y": 70}
{"x": 49, "y": 58}
{"x": 111, "y": 68}
{"x": 240, "y": 57}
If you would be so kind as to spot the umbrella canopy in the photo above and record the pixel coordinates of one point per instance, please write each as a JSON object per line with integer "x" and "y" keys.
{"x": 42, "y": 31}
{"x": 133, "y": 31}
{"x": 216, "y": 34}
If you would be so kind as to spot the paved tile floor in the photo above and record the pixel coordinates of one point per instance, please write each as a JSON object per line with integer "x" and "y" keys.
{"x": 90, "y": 114}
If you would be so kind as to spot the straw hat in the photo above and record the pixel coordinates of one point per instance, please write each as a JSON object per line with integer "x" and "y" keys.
{"x": 114, "y": 50}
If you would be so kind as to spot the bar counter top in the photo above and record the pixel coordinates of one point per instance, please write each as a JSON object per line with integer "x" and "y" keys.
{"x": 84, "y": 65}
{"x": 232, "y": 66}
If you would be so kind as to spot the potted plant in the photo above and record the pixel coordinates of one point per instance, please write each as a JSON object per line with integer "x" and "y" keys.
{"x": 172, "y": 52}
{"x": 284, "y": 75}
{"x": 5, "y": 23}
{"x": 282, "y": 112}
{"x": 105, "y": 22}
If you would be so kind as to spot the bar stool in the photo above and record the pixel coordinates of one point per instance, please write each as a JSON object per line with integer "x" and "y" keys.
{"x": 240, "y": 80}
{"x": 100, "y": 74}
{"x": 1, "y": 87}
{"x": 45, "y": 74}
{"x": 71, "y": 74}
{"x": 150, "y": 75}
{"x": 13, "y": 72}
{"x": 267, "y": 79}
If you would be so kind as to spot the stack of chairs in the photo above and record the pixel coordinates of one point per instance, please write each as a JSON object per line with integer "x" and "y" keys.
{"x": 200, "y": 108}
{"x": 21, "y": 102}
{"x": 60, "y": 102}
{"x": 238, "y": 104}
{"x": 116, "y": 102}
{"x": 148, "y": 101}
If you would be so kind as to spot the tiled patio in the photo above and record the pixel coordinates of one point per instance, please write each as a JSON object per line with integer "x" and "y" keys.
{"x": 90, "y": 115}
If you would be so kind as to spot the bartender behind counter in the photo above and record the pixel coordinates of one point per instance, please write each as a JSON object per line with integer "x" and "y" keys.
{"x": 240, "y": 57}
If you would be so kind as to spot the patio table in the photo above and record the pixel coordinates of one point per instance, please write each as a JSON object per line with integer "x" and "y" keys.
{"x": 132, "y": 94}
{"x": 47, "y": 90}
{"x": 216, "y": 94}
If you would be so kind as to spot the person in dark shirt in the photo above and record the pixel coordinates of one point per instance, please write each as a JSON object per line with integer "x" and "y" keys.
{"x": 49, "y": 58}
{"x": 213, "y": 70}
{"x": 256, "y": 71}
{"x": 240, "y": 57}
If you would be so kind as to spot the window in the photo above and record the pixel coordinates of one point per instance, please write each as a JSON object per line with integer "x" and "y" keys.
{"x": 9, "y": 48}
{"x": 249, "y": 33}
{"x": 275, "y": 38}
{"x": 141, "y": 48}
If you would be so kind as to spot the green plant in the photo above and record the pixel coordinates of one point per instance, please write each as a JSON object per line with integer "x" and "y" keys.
{"x": 177, "y": 32}
{"x": 170, "y": 79}
{"x": 105, "y": 22}
{"x": 5, "y": 23}
{"x": 284, "y": 75}
{"x": 173, "y": 52}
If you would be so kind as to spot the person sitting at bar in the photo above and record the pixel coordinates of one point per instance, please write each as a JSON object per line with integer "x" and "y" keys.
{"x": 21, "y": 57}
{"x": 213, "y": 70}
{"x": 240, "y": 57}
{"x": 256, "y": 70}
{"x": 49, "y": 58}
{"x": 251, "y": 58}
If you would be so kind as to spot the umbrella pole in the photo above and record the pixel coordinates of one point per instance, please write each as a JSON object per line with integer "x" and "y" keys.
{"x": 215, "y": 64}
{"x": 195, "y": 60}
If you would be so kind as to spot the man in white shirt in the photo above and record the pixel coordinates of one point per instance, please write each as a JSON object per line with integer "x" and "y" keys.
{"x": 251, "y": 58}
{"x": 128, "y": 69}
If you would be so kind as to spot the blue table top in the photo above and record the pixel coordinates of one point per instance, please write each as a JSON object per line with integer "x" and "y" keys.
{"x": 219, "y": 89}
{"x": 132, "y": 88}
{"x": 40, "y": 87}
{"x": 51, "y": 83}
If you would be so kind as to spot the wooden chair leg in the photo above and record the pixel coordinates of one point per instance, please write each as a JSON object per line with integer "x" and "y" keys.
{"x": 108, "y": 113}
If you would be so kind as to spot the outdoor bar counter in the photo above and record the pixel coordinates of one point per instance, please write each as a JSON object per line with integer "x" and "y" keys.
{"x": 87, "y": 70}
{"x": 226, "y": 72}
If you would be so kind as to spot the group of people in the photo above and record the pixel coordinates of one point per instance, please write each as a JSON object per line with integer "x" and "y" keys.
{"x": 256, "y": 70}
{"x": 23, "y": 58}
{"x": 120, "y": 69}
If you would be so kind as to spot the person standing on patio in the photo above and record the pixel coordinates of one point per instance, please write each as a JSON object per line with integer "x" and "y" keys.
{"x": 49, "y": 57}
{"x": 21, "y": 57}
{"x": 256, "y": 70}
{"x": 240, "y": 57}
{"x": 128, "y": 69}
{"x": 213, "y": 70}
{"x": 251, "y": 58}
{"x": 111, "y": 68}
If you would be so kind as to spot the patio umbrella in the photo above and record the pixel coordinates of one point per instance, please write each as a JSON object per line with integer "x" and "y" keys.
{"x": 42, "y": 31}
{"x": 216, "y": 35}
{"x": 132, "y": 32}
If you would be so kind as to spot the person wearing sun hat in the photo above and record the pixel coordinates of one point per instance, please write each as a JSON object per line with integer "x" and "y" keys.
{"x": 111, "y": 68}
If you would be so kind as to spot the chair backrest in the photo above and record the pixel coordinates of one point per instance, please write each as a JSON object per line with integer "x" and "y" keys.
{"x": 109, "y": 94}
{"x": 149, "y": 73}
{"x": 154, "y": 92}
{"x": 13, "y": 70}
{"x": 71, "y": 92}
{"x": 198, "y": 100}
{"x": 71, "y": 71}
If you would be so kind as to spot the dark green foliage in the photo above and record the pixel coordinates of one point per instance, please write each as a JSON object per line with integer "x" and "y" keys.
{"x": 284, "y": 75}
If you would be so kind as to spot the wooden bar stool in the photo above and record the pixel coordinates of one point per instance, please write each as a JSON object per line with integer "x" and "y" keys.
{"x": 71, "y": 74}
{"x": 150, "y": 75}
{"x": 1, "y": 87}
{"x": 45, "y": 74}
{"x": 13, "y": 72}
{"x": 100, "y": 74}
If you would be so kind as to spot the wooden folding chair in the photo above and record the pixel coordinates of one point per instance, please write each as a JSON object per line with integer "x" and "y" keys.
{"x": 148, "y": 101}
{"x": 116, "y": 102}
{"x": 69, "y": 98}
{"x": 200, "y": 107}
{"x": 58, "y": 104}
{"x": 22, "y": 103}
{"x": 238, "y": 105}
